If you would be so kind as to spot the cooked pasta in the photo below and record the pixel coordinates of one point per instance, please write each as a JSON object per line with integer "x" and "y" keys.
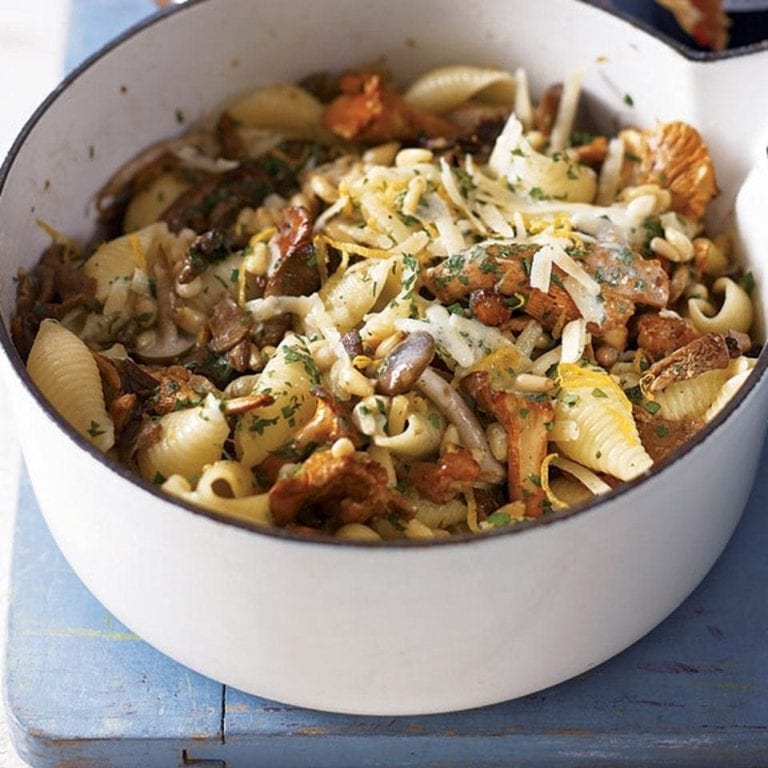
{"x": 348, "y": 309}
{"x": 190, "y": 439}
{"x": 63, "y": 369}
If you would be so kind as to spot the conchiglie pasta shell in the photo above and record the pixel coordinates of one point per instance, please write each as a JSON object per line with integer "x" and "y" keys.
{"x": 189, "y": 440}
{"x": 569, "y": 491}
{"x": 118, "y": 258}
{"x": 357, "y": 532}
{"x": 278, "y": 106}
{"x": 148, "y": 205}
{"x": 690, "y": 399}
{"x": 608, "y": 438}
{"x": 288, "y": 377}
{"x": 445, "y": 88}
{"x": 63, "y": 369}
{"x": 736, "y": 312}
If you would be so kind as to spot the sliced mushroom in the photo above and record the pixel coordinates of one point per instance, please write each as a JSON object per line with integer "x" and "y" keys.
{"x": 706, "y": 353}
{"x": 525, "y": 421}
{"x": 169, "y": 343}
{"x": 451, "y": 404}
{"x": 403, "y": 366}
{"x": 230, "y": 325}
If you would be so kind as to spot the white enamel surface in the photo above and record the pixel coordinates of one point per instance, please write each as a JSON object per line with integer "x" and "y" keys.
{"x": 352, "y": 628}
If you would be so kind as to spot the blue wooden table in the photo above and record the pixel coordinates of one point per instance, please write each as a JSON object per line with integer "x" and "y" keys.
{"x": 82, "y": 691}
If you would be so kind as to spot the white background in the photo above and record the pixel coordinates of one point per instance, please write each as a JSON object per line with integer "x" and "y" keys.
{"x": 32, "y": 46}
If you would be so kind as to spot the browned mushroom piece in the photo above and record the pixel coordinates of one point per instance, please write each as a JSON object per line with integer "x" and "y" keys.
{"x": 295, "y": 272}
{"x": 338, "y": 489}
{"x": 330, "y": 422}
{"x": 232, "y": 145}
{"x": 230, "y": 325}
{"x": 442, "y": 480}
{"x": 149, "y": 163}
{"x": 236, "y": 406}
{"x": 660, "y": 335}
{"x": 369, "y": 110}
{"x": 453, "y": 406}
{"x": 177, "y": 388}
{"x": 216, "y": 200}
{"x": 625, "y": 279}
{"x": 490, "y": 307}
{"x": 674, "y": 156}
{"x": 52, "y": 289}
{"x": 207, "y": 248}
{"x": 352, "y": 343}
{"x": 709, "y": 352}
{"x": 546, "y": 110}
{"x": 402, "y": 367}
{"x": 169, "y": 343}
{"x": 120, "y": 375}
{"x": 525, "y": 420}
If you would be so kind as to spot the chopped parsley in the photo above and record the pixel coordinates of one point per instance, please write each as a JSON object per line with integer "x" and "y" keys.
{"x": 499, "y": 519}
{"x": 748, "y": 282}
{"x": 652, "y": 407}
{"x": 259, "y": 425}
{"x": 94, "y": 430}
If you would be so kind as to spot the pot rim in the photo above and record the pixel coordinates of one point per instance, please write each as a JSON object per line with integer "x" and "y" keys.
{"x": 663, "y": 467}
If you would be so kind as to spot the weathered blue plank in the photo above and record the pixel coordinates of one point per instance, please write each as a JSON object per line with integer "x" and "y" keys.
{"x": 76, "y": 677}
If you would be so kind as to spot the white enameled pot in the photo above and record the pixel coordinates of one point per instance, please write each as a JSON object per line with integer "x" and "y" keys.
{"x": 404, "y": 628}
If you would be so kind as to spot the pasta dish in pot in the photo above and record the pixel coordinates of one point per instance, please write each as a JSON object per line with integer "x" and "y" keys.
{"x": 351, "y": 310}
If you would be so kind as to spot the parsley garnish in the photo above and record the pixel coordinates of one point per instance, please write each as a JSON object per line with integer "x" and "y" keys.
{"x": 95, "y": 429}
{"x": 259, "y": 425}
{"x": 499, "y": 519}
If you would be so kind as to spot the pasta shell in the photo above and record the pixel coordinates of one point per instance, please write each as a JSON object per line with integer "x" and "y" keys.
{"x": 736, "y": 312}
{"x": 738, "y": 372}
{"x": 148, "y": 205}
{"x": 250, "y": 509}
{"x": 190, "y": 440}
{"x": 117, "y": 259}
{"x": 608, "y": 438}
{"x": 288, "y": 378}
{"x": 445, "y": 88}
{"x": 278, "y": 106}
{"x": 691, "y": 398}
{"x": 63, "y": 369}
